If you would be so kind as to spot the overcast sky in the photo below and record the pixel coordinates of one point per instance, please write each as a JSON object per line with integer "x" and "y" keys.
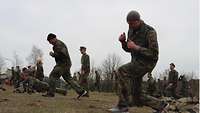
{"x": 97, "y": 24}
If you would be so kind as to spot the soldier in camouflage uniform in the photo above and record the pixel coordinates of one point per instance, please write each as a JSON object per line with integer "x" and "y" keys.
{"x": 172, "y": 81}
{"x": 75, "y": 77}
{"x": 62, "y": 67}
{"x": 39, "y": 70}
{"x": 164, "y": 82}
{"x": 160, "y": 88}
{"x": 184, "y": 86}
{"x": 17, "y": 77}
{"x": 85, "y": 69}
{"x": 31, "y": 71}
{"x": 12, "y": 80}
{"x": 31, "y": 84}
{"x": 151, "y": 85}
{"x": 97, "y": 81}
{"x": 143, "y": 46}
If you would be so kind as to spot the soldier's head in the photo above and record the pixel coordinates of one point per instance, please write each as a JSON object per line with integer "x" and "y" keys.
{"x": 52, "y": 38}
{"x": 83, "y": 50}
{"x": 172, "y": 66}
{"x": 29, "y": 67}
{"x": 17, "y": 67}
{"x": 39, "y": 61}
{"x": 24, "y": 69}
{"x": 133, "y": 19}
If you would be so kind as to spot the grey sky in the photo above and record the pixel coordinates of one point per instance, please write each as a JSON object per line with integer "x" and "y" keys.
{"x": 97, "y": 25}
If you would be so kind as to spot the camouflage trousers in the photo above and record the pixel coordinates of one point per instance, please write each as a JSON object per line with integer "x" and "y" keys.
{"x": 84, "y": 81}
{"x": 171, "y": 91}
{"x": 40, "y": 86}
{"x": 130, "y": 81}
{"x": 64, "y": 71}
{"x": 97, "y": 86}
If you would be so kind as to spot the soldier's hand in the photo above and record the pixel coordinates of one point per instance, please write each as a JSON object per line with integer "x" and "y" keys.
{"x": 122, "y": 37}
{"x": 132, "y": 45}
{"x": 51, "y": 53}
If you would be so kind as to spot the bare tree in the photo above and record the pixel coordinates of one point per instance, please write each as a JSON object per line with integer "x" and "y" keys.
{"x": 34, "y": 55}
{"x": 2, "y": 63}
{"x": 111, "y": 63}
{"x": 164, "y": 74}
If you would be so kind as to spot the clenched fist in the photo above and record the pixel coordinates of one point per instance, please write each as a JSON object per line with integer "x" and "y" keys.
{"x": 122, "y": 37}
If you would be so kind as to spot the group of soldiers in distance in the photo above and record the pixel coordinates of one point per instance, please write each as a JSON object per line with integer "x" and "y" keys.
{"x": 141, "y": 43}
{"x": 30, "y": 79}
{"x": 168, "y": 87}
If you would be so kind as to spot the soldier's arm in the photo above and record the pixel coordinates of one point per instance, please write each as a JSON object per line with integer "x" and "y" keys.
{"x": 152, "y": 49}
{"x": 60, "y": 50}
{"x": 176, "y": 77}
{"x": 124, "y": 46}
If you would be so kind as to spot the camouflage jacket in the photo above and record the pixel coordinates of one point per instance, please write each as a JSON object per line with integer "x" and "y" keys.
{"x": 61, "y": 54}
{"x": 151, "y": 83}
{"x": 85, "y": 62}
{"x": 173, "y": 77}
{"x": 146, "y": 38}
{"x": 39, "y": 72}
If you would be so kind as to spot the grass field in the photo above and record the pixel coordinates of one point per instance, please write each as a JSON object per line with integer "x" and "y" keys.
{"x": 24, "y": 103}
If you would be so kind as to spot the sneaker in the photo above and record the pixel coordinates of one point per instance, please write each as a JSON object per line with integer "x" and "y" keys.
{"x": 65, "y": 93}
{"x": 118, "y": 110}
{"x": 3, "y": 89}
{"x": 82, "y": 94}
{"x": 86, "y": 95}
{"x": 163, "y": 107}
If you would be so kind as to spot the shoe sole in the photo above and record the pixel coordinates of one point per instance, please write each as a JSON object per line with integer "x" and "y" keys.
{"x": 85, "y": 92}
{"x": 117, "y": 111}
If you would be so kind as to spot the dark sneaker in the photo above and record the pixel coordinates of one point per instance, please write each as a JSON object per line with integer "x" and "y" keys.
{"x": 86, "y": 95}
{"x": 65, "y": 93}
{"x": 48, "y": 95}
{"x": 3, "y": 89}
{"x": 119, "y": 110}
{"x": 82, "y": 94}
{"x": 163, "y": 107}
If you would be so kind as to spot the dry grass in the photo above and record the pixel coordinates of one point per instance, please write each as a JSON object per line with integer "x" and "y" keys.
{"x": 24, "y": 103}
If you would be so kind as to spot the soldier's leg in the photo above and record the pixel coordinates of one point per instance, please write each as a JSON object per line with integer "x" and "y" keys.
{"x": 84, "y": 82}
{"x": 137, "y": 71}
{"x": 41, "y": 86}
{"x": 174, "y": 92}
{"x": 123, "y": 78}
{"x": 61, "y": 91}
{"x": 53, "y": 77}
{"x": 136, "y": 94}
{"x": 98, "y": 87}
{"x": 67, "y": 77}
{"x": 151, "y": 101}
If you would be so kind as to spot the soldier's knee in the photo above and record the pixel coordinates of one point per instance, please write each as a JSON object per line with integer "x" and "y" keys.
{"x": 122, "y": 72}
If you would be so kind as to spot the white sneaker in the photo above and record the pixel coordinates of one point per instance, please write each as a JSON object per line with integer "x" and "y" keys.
{"x": 82, "y": 94}
{"x": 118, "y": 110}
